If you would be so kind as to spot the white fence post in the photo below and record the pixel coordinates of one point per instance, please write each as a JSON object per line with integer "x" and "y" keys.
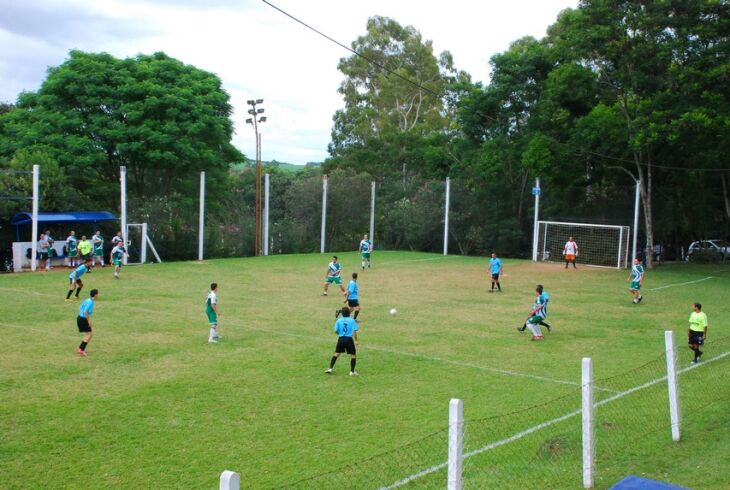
{"x": 456, "y": 443}
{"x": 324, "y": 212}
{"x": 201, "y": 217}
{"x": 230, "y": 480}
{"x": 34, "y": 225}
{"x": 446, "y": 216}
{"x": 372, "y": 210}
{"x": 672, "y": 386}
{"x": 266, "y": 214}
{"x": 589, "y": 453}
{"x": 535, "y": 227}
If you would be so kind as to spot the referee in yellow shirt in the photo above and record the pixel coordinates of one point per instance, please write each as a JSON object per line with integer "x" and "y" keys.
{"x": 697, "y": 330}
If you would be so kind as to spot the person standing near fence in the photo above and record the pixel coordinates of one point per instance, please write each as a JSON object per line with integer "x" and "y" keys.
{"x": 636, "y": 276}
{"x": 85, "y": 249}
{"x": 366, "y": 248}
{"x": 98, "y": 242}
{"x": 697, "y": 330}
{"x": 42, "y": 249}
{"x": 71, "y": 249}
{"x": 51, "y": 250}
{"x": 333, "y": 276}
{"x": 83, "y": 320}
{"x": 211, "y": 310}
{"x": 495, "y": 268}
{"x": 352, "y": 296}
{"x": 346, "y": 329}
{"x": 570, "y": 252}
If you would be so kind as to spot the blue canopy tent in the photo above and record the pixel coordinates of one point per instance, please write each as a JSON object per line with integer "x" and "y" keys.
{"x": 26, "y": 218}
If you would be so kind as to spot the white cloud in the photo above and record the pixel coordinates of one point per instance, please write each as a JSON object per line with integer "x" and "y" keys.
{"x": 257, "y": 51}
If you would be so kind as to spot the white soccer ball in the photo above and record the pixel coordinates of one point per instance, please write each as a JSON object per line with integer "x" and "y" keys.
{"x": 393, "y": 312}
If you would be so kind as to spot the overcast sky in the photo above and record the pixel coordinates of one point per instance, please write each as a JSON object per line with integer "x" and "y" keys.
{"x": 257, "y": 51}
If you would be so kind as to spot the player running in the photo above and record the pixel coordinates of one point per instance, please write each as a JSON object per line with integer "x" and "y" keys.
{"x": 570, "y": 252}
{"x": 116, "y": 257}
{"x": 366, "y": 247}
{"x": 495, "y": 268}
{"x": 352, "y": 296}
{"x": 636, "y": 276}
{"x": 75, "y": 279}
{"x": 98, "y": 241}
{"x": 83, "y": 321}
{"x": 333, "y": 275}
{"x": 538, "y": 314}
{"x": 346, "y": 328}
{"x": 211, "y": 310}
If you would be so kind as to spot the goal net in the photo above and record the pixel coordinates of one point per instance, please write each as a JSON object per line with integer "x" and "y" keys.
{"x": 598, "y": 245}
{"x": 136, "y": 245}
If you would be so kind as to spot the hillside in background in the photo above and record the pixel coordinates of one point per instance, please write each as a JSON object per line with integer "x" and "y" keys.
{"x": 287, "y": 167}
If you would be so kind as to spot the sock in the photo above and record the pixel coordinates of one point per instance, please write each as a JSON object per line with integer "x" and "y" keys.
{"x": 523, "y": 327}
{"x": 83, "y": 345}
{"x": 546, "y": 324}
{"x": 363, "y": 264}
{"x": 357, "y": 312}
{"x": 333, "y": 361}
{"x": 492, "y": 286}
{"x": 498, "y": 286}
{"x": 69, "y": 293}
{"x": 78, "y": 290}
{"x": 352, "y": 364}
{"x": 213, "y": 332}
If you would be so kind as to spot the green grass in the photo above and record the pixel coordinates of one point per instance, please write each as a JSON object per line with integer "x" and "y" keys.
{"x": 155, "y": 405}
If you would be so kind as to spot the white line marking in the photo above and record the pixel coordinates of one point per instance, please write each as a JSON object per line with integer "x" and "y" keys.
{"x": 535, "y": 428}
{"x": 680, "y": 284}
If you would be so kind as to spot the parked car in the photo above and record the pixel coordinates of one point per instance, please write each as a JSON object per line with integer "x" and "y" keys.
{"x": 720, "y": 247}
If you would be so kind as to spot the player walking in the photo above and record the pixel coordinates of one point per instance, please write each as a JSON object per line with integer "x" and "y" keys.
{"x": 75, "y": 279}
{"x": 366, "y": 247}
{"x": 346, "y": 328}
{"x": 538, "y": 314}
{"x": 116, "y": 258}
{"x": 333, "y": 275}
{"x": 697, "y": 330}
{"x": 570, "y": 252}
{"x": 211, "y": 310}
{"x": 636, "y": 276}
{"x": 98, "y": 242}
{"x": 83, "y": 320}
{"x": 71, "y": 249}
{"x": 495, "y": 268}
{"x": 352, "y": 296}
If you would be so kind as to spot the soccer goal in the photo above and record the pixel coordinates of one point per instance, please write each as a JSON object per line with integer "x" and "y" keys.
{"x": 598, "y": 245}
{"x": 137, "y": 243}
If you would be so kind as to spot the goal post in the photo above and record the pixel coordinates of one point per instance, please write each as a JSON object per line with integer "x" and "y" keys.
{"x": 598, "y": 245}
{"x": 137, "y": 243}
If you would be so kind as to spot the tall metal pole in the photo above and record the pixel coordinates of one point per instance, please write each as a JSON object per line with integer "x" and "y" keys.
{"x": 372, "y": 211}
{"x": 123, "y": 207}
{"x": 34, "y": 225}
{"x": 201, "y": 217}
{"x": 266, "y": 214}
{"x": 324, "y": 213}
{"x": 258, "y": 190}
{"x": 446, "y": 216}
{"x": 636, "y": 220}
{"x": 535, "y": 229}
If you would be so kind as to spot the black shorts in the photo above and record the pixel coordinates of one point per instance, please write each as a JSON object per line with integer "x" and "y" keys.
{"x": 79, "y": 284}
{"x": 352, "y": 303}
{"x": 495, "y": 277}
{"x": 345, "y": 344}
{"x": 83, "y": 324}
{"x": 696, "y": 338}
{"x": 43, "y": 255}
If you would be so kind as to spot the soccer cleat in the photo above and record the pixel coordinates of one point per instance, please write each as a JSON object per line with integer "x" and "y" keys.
{"x": 550, "y": 329}
{"x": 68, "y": 300}
{"x": 212, "y": 340}
{"x": 537, "y": 337}
{"x": 490, "y": 290}
{"x": 639, "y": 299}
{"x": 354, "y": 373}
{"x": 328, "y": 371}
{"x": 521, "y": 330}
{"x": 81, "y": 352}
{"x": 324, "y": 294}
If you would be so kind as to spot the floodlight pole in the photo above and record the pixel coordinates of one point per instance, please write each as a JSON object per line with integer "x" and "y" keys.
{"x": 123, "y": 207}
{"x": 372, "y": 211}
{"x": 324, "y": 214}
{"x": 253, "y": 121}
{"x": 636, "y": 220}
{"x": 34, "y": 225}
{"x": 266, "y": 214}
{"x": 201, "y": 216}
{"x": 446, "y": 216}
{"x": 535, "y": 229}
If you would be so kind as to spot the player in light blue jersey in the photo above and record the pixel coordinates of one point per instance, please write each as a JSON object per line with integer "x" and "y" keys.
{"x": 636, "y": 276}
{"x": 83, "y": 320}
{"x": 495, "y": 268}
{"x": 333, "y": 276}
{"x": 366, "y": 248}
{"x": 346, "y": 329}
{"x": 352, "y": 296}
{"x": 74, "y": 278}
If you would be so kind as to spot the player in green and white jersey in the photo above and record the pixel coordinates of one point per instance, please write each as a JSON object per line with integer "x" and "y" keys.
{"x": 366, "y": 247}
{"x": 72, "y": 250}
{"x": 333, "y": 276}
{"x": 211, "y": 310}
{"x": 116, "y": 257}
{"x": 636, "y": 276}
{"x": 98, "y": 241}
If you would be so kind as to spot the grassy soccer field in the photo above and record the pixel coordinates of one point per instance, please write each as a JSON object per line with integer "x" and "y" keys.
{"x": 155, "y": 405}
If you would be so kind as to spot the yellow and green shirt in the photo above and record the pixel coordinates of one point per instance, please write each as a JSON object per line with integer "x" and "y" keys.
{"x": 697, "y": 321}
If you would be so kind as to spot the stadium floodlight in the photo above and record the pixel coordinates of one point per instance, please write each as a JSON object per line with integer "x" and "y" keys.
{"x": 262, "y": 119}
{"x": 251, "y": 102}
{"x": 253, "y": 121}
{"x": 252, "y": 111}
{"x": 259, "y": 101}
{"x": 260, "y": 111}
{"x": 249, "y": 121}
